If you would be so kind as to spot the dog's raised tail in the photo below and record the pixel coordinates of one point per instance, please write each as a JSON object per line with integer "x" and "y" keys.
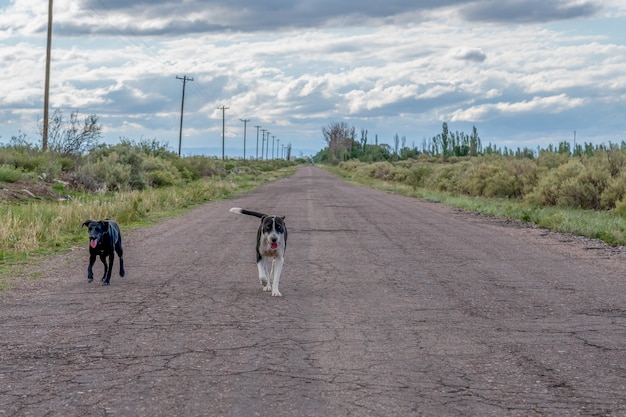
{"x": 248, "y": 212}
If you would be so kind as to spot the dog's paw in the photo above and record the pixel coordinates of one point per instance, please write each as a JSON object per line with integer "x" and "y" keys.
{"x": 276, "y": 294}
{"x": 105, "y": 283}
{"x": 267, "y": 288}
{"x": 263, "y": 282}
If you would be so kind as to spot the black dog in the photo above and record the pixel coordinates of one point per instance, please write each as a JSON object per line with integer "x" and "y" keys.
{"x": 104, "y": 239}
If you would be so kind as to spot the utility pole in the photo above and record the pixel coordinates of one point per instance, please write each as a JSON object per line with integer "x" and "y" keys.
{"x": 273, "y": 137}
{"x": 257, "y": 141}
{"x": 245, "y": 122}
{"x": 267, "y": 145}
{"x": 277, "y": 148}
{"x": 182, "y": 109}
{"x": 263, "y": 143}
{"x": 223, "y": 109}
{"x": 46, "y": 93}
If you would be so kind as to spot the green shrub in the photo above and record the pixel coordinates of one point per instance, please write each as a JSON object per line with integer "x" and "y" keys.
{"x": 613, "y": 192}
{"x": 547, "y": 191}
{"x": 30, "y": 163}
{"x": 501, "y": 177}
{"x": 503, "y": 184}
{"x": 449, "y": 177}
{"x": 160, "y": 178}
{"x": 351, "y": 165}
{"x": 115, "y": 176}
{"x": 480, "y": 177}
{"x": 67, "y": 164}
{"x": 573, "y": 184}
{"x": 187, "y": 171}
{"x": 9, "y": 174}
{"x": 584, "y": 190}
{"x": 418, "y": 175}
{"x": 85, "y": 180}
{"x": 160, "y": 172}
{"x": 379, "y": 170}
{"x": 551, "y": 160}
{"x": 126, "y": 154}
{"x": 399, "y": 174}
{"x": 620, "y": 207}
{"x": 205, "y": 167}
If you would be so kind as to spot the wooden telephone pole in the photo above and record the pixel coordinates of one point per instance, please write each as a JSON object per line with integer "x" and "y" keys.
{"x": 46, "y": 93}
{"x": 245, "y": 123}
{"x": 223, "y": 109}
{"x": 257, "y": 141}
{"x": 182, "y": 109}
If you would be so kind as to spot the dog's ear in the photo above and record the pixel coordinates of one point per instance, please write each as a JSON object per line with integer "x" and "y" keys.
{"x": 86, "y": 223}
{"x": 283, "y": 217}
{"x": 105, "y": 226}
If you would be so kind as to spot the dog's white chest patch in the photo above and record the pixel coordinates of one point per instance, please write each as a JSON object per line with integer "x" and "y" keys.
{"x": 272, "y": 253}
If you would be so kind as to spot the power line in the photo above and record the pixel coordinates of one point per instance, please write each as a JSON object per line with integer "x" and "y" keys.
{"x": 182, "y": 109}
{"x": 112, "y": 25}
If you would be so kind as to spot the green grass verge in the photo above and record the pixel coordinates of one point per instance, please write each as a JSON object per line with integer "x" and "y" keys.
{"x": 606, "y": 226}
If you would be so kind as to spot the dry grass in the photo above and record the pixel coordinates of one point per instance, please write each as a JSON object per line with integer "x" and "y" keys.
{"x": 42, "y": 227}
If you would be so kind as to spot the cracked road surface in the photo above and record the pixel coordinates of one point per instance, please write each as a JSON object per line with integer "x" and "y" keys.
{"x": 391, "y": 307}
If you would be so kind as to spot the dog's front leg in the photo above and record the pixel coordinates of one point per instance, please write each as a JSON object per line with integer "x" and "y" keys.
{"x": 103, "y": 259}
{"x": 122, "y": 273}
{"x": 109, "y": 270}
{"x": 92, "y": 260}
{"x": 120, "y": 255}
{"x": 277, "y": 267}
{"x": 264, "y": 276}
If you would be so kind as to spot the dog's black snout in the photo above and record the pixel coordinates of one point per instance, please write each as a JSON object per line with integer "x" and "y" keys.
{"x": 274, "y": 239}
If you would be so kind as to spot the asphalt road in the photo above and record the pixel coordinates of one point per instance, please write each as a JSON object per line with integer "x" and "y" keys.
{"x": 391, "y": 307}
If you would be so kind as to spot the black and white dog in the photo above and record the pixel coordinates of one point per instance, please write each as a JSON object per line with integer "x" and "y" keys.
{"x": 104, "y": 240}
{"x": 271, "y": 243}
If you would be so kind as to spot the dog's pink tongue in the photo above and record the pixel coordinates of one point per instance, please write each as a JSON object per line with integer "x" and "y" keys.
{"x": 274, "y": 245}
{"x": 93, "y": 243}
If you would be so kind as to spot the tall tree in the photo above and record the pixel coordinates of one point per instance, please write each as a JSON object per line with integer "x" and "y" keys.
{"x": 445, "y": 141}
{"x": 338, "y": 137}
{"x": 474, "y": 142}
{"x": 363, "y": 140}
{"x": 396, "y": 142}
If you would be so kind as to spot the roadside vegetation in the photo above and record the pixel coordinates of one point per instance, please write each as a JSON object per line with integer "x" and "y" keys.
{"x": 46, "y": 196}
{"x": 578, "y": 189}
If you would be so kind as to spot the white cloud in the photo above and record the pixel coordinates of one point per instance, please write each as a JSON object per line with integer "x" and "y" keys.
{"x": 468, "y": 54}
{"x": 550, "y": 104}
{"x": 407, "y": 66}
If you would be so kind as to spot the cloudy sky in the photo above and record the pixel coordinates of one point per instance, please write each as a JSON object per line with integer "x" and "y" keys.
{"x": 524, "y": 72}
